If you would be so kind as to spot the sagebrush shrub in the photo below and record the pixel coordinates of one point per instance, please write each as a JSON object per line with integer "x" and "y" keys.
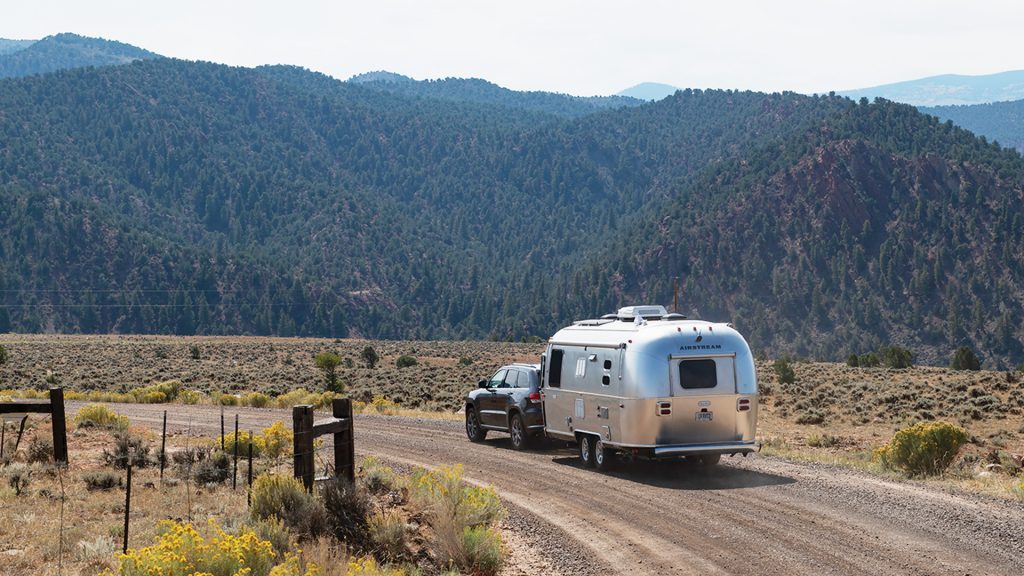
{"x": 40, "y": 449}
{"x": 286, "y": 498}
{"x": 387, "y": 532}
{"x": 101, "y": 480}
{"x": 347, "y": 511}
{"x": 127, "y": 448}
{"x": 216, "y": 469}
{"x": 784, "y": 371}
{"x": 481, "y": 550}
{"x": 924, "y": 449}
{"x": 100, "y": 416}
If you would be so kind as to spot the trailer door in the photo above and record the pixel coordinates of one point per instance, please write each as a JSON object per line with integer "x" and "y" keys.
{"x": 704, "y": 404}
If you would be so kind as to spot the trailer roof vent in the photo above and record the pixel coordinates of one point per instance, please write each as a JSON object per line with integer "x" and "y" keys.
{"x": 610, "y": 317}
{"x": 645, "y": 312}
{"x": 674, "y": 317}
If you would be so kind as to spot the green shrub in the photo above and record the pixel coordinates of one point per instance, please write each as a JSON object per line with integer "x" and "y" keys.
{"x": 376, "y": 476}
{"x": 158, "y": 393}
{"x": 328, "y": 363}
{"x": 406, "y": 361}
{"x": 924, "y": 449}
{"x": 965, "y": 359}
{"x": 127, "y": 448}
{"x": 181, "y": 549}
{"x": 101, "y": 480}
{"x": 869, "y": 360}
{"x": 258, "y": 444}
{"x": 465, "y": 361}
{"x": 369, "y": 356}
{"x": 285, "y": 498}
{"x": 896, "y": 357}
{"x": 190, "y": 397}
{"x": 100, "y": 416}
{"x": 481, "y": 550}
{"x": 274, "y": 531}
{"x": 3, "y": 355}
{"x": 194, "y": 351}
{"x": 256, "y": 400}
{"x": 784, "y": 371}
{"x": 853, "y": 361}
{"x": 347, "y": 511}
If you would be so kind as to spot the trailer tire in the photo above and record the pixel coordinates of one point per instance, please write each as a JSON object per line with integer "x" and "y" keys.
{"x": 587, "y": 450}
{"x": 517, "y": 431}
{"x": 603, "y": 456}
{"x": 474, "y": 431}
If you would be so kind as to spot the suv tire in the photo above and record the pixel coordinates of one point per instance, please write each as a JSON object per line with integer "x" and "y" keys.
{"x": 474, "y": 430}
{"x": 518, "y": 432}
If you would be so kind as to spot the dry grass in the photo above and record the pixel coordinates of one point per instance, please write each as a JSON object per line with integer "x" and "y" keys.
{"x": 240, "y": 365}
{"x": 863, "y": 408}
{"x": 93, "y": 520}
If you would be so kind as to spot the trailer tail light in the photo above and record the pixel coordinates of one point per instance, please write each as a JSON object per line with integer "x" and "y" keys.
{"x": 743, "y": 404}
{"x": 534, "y": 397}
{"x": 664, "y": 408}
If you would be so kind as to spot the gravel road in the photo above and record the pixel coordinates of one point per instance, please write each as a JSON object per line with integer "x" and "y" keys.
{"x": 754, "y": 515}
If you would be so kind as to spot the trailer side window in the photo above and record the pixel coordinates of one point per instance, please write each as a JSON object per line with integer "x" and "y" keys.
{"x": 555, "y": 368}
{"x": 698, "y": 374}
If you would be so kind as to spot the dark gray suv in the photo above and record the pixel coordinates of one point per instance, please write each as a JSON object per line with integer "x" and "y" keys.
{"x": 508, "y": 402}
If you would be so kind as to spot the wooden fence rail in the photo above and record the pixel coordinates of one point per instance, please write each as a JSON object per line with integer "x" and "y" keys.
{"x": 306, "y": 430}
{"x": 55, "y": 407}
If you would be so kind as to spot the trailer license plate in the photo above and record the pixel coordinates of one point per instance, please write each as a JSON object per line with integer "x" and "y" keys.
{"x": 705, "y": 416}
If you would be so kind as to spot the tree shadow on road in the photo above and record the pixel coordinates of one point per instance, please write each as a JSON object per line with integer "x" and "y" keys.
{"x": 685, "y": 475}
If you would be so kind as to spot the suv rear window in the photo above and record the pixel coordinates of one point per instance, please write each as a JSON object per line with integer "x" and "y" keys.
{"x": 695, "y": 374}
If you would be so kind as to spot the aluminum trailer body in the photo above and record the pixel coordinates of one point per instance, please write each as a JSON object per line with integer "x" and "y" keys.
{"x": 647, "y": 383}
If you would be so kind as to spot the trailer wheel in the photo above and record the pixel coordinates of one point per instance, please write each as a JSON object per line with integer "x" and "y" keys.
{"x": 474, "y": 431}
{"x": 602, "y": 456}
{"x": 587, "y": 450}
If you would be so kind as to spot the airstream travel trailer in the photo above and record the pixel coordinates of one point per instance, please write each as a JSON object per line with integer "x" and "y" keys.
{"x": 645, "y": 383}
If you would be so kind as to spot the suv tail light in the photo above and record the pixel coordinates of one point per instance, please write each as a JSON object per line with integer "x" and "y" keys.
{"x": 534, "y": 397}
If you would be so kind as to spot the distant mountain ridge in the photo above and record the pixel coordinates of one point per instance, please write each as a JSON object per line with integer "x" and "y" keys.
{"x": 483, "y": 92}
{"x": 62, "y": 52}
{"x": 948, "y": 89}
{"x": 649, "y": 91}
{"x": 1002, "y": 122}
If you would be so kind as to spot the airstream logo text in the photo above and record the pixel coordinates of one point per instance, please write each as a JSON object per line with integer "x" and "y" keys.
{"x": 701, "y": 347}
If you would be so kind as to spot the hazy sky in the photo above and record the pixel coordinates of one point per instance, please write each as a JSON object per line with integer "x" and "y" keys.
{"x": 578, "y": 47}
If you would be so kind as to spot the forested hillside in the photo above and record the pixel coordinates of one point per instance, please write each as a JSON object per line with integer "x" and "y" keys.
{"x": 168, "y": 196}
{"x": 62, "y": 52}
{"x": 1002, "y": 122}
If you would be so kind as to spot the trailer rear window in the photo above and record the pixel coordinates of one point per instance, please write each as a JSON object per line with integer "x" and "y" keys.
{"x": 694, "y": 374}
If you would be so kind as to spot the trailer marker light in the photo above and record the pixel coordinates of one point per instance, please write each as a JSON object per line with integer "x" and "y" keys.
{"x": 743, "y": 404}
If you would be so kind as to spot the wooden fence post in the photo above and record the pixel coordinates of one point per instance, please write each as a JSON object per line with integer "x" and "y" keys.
{"x": 60, "y": 432}
{"x": 302, "y": 427}
{"x": 234, "y": 469}
{"x": 344, "y": 444}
